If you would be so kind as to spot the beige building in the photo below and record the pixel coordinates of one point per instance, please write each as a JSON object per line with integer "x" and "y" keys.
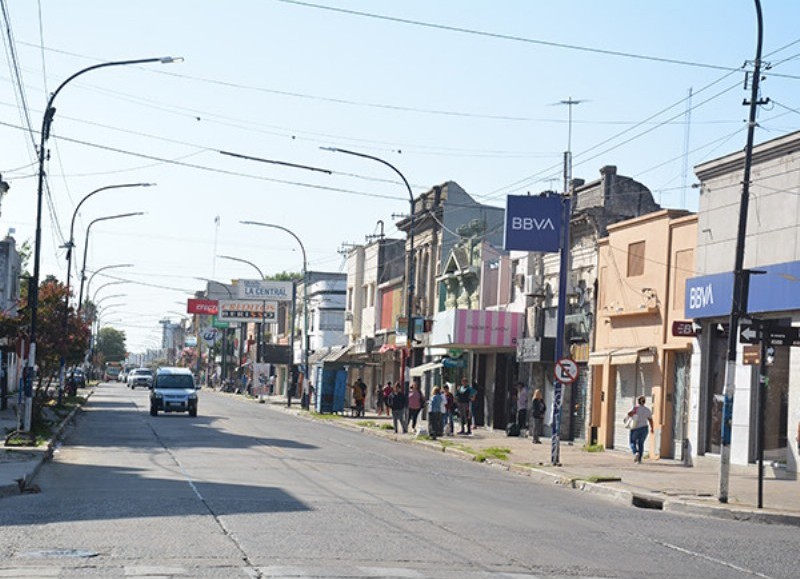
{"x": 643, "y": 265}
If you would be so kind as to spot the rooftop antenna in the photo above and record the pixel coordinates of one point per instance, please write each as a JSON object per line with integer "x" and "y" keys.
{"x": 569, "y": 102}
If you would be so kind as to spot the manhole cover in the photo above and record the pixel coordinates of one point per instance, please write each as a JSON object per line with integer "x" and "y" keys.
{"x": 58, "y": 554}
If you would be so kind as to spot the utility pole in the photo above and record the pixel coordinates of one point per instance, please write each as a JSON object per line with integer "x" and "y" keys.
{"x": 741, "y": 277}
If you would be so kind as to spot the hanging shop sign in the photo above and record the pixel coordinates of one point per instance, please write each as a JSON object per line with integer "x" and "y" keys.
{"x": 533, "y": 223}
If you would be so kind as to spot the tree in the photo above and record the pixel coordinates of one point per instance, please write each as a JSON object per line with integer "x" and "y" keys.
{"x": 53, "y": 340}
{"x": 111, "y": 344}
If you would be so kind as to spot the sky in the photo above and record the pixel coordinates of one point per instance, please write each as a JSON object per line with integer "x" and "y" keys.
{"x": 462, "y": 90}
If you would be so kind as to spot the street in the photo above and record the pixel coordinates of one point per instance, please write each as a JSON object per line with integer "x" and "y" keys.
{"x": 245, "y": 490}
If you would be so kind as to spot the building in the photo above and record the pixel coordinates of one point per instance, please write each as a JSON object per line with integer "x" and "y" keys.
{"x": 10, "y": 270}
{"x": 772, "y": 248}
{"x": 373, "y": 305}
{"x": 595, "y": 205}
{"x": 643, "y": 265}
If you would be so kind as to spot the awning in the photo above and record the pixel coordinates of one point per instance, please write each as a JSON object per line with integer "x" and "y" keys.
{"x": 622, "y": 356}
{"x": 420, "y": 370}
{"x": 336, "y": 354}
{"x": 625, "y": 356}
{"x": 599, "y": 358}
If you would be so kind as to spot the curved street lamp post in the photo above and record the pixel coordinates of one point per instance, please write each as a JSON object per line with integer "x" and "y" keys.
{"x": 86, "y": 246}
{"x": 259, "y": 327}
{"x": 47, "y": 121}
{"x": 410, "y": 292}
{"x": 304, "y": 400}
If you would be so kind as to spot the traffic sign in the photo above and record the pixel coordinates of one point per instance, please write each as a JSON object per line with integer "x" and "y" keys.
{"x": 749, "y": 333}
{"x": 566, "y": 371}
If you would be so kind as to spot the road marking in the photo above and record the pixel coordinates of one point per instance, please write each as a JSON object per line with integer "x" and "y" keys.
{"x": 712, "y": 559}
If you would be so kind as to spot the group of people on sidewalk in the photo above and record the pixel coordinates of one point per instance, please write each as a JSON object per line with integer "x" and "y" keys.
{"x": 443, "y": 407}
{"x": 537, "y": 411}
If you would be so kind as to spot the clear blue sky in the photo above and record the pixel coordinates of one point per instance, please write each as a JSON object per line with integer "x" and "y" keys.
{"x": 447, "y": 90}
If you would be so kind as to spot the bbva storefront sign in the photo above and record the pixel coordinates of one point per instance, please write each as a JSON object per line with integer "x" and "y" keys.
{"x": 533, "y": 223}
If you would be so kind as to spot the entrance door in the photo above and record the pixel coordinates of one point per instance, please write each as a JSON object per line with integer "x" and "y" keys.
{"x": 680, "y": 403}
{"x": 716, "y": 386}
{"x": 631, "y": 384}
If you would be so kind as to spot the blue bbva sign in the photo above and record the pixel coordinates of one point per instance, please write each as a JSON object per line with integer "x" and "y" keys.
{"x": 533, "y": 223}
{"x": 775, "y": 289}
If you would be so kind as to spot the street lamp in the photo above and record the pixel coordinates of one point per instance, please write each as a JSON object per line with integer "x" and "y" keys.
{"x": 71, "y": 243}
{"x": 91, "y": 277}
{"x": 305, "y": 299}
{"x": 86, "y": 246}
{"x": 105, "y": 285}
{"x": 410, "y": 303}
{"x": 260, "y": 326}
{"x": 47, "y": 121}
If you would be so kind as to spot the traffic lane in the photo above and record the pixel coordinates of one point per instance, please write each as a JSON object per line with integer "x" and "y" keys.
{"x": 411, "y": 502}
{"x": 115, "y": 490}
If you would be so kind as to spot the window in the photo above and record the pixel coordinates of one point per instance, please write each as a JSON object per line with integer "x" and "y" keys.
{"x": 636, "y": 259}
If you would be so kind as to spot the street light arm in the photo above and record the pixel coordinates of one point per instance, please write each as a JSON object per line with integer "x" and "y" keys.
{"x": 86, "y": 245}
{"x": 379, "y": 160}
{"x": 289, "y": 231}
{"x": 91, "y": 277}
{"x": 97, "y": 291}
{"x": 250, "y": 263}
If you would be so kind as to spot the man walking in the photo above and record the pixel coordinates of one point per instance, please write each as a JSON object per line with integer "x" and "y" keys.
{"x": 397, "y": 402}
{"x": 465, "y": 394}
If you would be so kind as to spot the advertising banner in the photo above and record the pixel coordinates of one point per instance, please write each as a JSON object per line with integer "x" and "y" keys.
{"x": 201, "y": 307}
{"x": 259, "y": 289}
{"x": 247, "y": 311}
{"x": 533, "y": 223}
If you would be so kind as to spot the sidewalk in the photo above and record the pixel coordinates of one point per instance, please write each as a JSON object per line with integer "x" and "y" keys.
{"x": 18, "y": 465}
{"x": 658, "y": 484}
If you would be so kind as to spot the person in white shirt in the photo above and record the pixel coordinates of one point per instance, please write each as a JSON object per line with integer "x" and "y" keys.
{"x": 641, "y": 417}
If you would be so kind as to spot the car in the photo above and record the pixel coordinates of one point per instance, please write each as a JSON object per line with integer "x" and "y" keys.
{"x": 173, "y": 390}
{"x": 140, "y": 377}
{"x": 78, "y": 376}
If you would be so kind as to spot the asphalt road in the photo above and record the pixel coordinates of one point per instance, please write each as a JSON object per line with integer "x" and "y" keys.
{"x": 246, "y": 491}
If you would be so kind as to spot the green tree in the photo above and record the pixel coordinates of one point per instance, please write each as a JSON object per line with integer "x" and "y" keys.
{"x": 284, "y": 276}
{"x": 111, "y": 345}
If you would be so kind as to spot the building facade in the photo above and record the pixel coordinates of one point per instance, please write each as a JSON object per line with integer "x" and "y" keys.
{"x": 643, "y": 265}
{"x": 772, "y": 246}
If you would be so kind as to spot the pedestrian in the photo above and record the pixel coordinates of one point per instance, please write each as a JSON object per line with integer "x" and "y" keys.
{"x": 465, "y": 395}
{"x": 435, "y": 412}
{"x": 449, "y": 408}
{"x": 359, "y": 397}
{"x": 397, "y": 402}
{"x": 522, "y": 405}
{"x": 379, "y": 400}
{"x": 415, "y": 403}
{"x": 640, "y": 417}
{"x": 538, "y": 409}
{"x": 387, "y": 392}
{"x": 271, "y": 385}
